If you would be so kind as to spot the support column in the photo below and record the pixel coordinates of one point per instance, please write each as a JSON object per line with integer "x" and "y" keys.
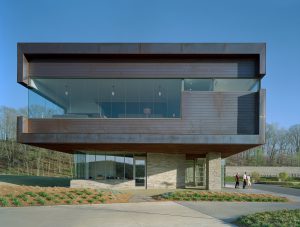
{"x": 213, "y": 171}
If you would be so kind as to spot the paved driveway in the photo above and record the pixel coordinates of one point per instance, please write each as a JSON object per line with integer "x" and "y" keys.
{"x": 230, "y": 211}
{"x": 277, "y": 189}
{"x": 126, "y": 214}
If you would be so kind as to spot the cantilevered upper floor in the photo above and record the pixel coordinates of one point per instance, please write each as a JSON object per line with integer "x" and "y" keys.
{"x": 189, "y": 97}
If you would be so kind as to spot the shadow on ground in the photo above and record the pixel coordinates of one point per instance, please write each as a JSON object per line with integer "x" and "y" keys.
{"x": 36, "y": 181}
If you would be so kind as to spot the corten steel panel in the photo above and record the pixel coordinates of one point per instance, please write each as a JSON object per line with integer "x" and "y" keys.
{"x": 211, "y": 121}
{"x": 28, "y": 51}
{"x": 190, "y": 149}
{"x": 165, "y": 68}
{"x": 203, "y": 113}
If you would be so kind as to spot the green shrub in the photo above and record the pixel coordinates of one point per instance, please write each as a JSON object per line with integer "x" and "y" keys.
{"x": 282, "y": 218}
{"x": 23, "y": 197}
{"x": 41, "y": 201}
{"x": 255, "y": 176}
{"x": 31, "y": 203}
{"x": 101, "y": 194}
{"x": 16, "y": 202}
{"x": 3, "y": 202}
{"x": 214, "y": 196}
{"x": 80, "y": 201}
{"x": 69, "y": 201}
{"x": 71, "y": 196}
{"x": 283, "y": 176}
{"x": 32, "y": 194}
{"x": 91, "y": 200}
{"x": 87, "y": 192}
{"x": 43, "y": 194}
{"x": 102, "y": 200}
{"x": 49, "y": 198}
{"x": 77, "y": 192}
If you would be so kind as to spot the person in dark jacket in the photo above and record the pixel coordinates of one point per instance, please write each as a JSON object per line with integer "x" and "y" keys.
{"x": 237, "y": 180}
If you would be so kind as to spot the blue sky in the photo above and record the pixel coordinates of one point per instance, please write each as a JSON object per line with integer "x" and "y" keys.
{"x": 275, "y": 22}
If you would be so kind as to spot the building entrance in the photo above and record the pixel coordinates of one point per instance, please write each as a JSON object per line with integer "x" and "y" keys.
{"x": 195, "y": 173}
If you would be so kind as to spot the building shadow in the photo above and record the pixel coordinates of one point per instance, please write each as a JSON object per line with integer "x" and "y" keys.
{"x": 36, "y": 181}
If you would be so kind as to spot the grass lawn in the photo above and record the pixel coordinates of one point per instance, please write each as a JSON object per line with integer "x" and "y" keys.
{"x": 38, "y": 196}
{"x": 219, "y": 196}
{"x": 282, "y": 218}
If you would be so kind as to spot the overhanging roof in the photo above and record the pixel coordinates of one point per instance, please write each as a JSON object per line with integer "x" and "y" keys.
{"x": 27, "y": 50}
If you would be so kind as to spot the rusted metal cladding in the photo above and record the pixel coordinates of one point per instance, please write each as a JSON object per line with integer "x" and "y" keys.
{"x": 203, "y": 113}
{"x": 143, "y": 68}
{"x": 211, "y": 121}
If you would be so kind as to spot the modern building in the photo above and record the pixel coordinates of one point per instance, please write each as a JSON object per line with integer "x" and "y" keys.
{"x": 144, "y": 115}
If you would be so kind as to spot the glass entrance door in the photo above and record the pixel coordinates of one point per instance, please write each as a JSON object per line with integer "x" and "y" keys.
{"x": 195, "y": 173}
{"x": 140, "y": 171}
{"x": 200, "y": 173}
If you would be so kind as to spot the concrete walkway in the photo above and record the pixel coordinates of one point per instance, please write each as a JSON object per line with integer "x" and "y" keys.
{"x": 230, "y": 211}
{"x": 277, "y": 189}
{"x": 126, "y": 214}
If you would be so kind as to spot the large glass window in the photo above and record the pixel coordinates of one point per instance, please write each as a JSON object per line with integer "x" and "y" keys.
{"x": 236, "y": 85}
{"x": 100, "y": 167}
{"x": 79, "y": 161}
{"x": 128, "y": 167}
{"x": 104, "y": 98}
{"x": 108, "y": 166}
{"x": 221, "y": 85}
{"x": 198, "y": 84}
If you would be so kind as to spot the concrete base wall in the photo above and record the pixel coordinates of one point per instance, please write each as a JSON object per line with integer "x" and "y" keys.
{"x": 165, "y": 170}
{"x": 213, "y": 171}
{"x": 111, "y": 184}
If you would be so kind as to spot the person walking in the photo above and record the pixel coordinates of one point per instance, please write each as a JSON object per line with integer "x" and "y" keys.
{"x": 244, "y": 180}
{"x": 237, "y": 180}
{"x": 248, "y": 181}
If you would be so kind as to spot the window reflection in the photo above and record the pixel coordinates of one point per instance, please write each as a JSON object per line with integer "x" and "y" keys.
{"x": 221, "y": 85}
{"x": 198, "y": 84}
{"x": 105, "y": 98}
{"x": 236, "y": 85}
{"x": 109, "y": 166}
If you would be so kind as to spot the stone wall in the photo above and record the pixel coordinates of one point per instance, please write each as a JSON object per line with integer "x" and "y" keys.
{"x": 213, "y": 171}
{"x": 262, "y": 170}
{"x": 108, "y": 184}
{"x": 165, "y": 170}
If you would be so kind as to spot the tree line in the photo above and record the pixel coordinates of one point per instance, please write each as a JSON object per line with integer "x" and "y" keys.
{"x": 282, "y": 148}
{"x": 20, "y": 159}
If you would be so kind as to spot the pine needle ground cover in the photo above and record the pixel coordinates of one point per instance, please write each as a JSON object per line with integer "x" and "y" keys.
{"x": 17, "y": 196}
{"x": 219, "y": 196}
{"x": 281, "y": 218}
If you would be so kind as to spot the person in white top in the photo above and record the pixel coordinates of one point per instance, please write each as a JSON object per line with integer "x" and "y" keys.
{"x": 248, "y": 181}
{"x": 244, "y": 180}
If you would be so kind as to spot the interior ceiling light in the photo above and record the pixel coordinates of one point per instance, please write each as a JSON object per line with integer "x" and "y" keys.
{"x": 113, "y": 91}
{"x": 66, "y": 90}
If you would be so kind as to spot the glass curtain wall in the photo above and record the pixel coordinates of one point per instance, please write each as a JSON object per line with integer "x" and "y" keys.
{"x": 105, "y": 166}
{"x": 222, "y": 85}
{"x": 120, "y": 98}
{"x": 104, "y": 98}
